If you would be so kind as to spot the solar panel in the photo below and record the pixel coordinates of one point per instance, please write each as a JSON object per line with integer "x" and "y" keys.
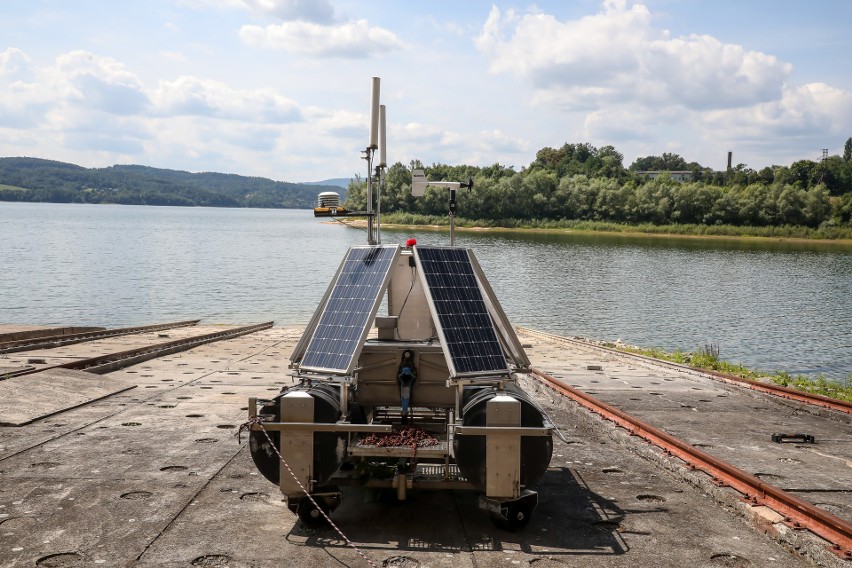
{"x": 460, "y": 312}
{"x": 348, "y": 314}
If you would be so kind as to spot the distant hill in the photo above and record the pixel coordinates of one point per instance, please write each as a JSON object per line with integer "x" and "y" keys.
{"x": 340, "y": 182}
{"x": 35, "y": 179}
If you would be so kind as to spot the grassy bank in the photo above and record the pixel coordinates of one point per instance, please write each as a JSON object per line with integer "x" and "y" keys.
{"x": 840, "y": 235}
{"x": 708, "y": 359}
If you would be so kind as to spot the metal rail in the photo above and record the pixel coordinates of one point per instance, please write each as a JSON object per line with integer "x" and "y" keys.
{"x": 777, "y": 390}
{"x": 114, "y": 361}
{"x": 797, "y": 513}
{"x": 52, "y": 341}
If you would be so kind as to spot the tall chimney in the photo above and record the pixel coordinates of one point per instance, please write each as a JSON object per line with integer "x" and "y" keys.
{"x": 730, "y": 154}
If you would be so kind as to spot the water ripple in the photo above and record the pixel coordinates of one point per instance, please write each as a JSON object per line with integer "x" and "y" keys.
{"x": 767, "y": 305}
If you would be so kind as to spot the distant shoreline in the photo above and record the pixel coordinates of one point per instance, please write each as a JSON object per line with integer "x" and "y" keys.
{"x": 843, "y": 243}
{"x": 629, "y": 231}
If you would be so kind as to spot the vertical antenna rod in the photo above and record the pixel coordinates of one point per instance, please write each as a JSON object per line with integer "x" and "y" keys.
{"x": 371, "y": 148}
{"x": 380, "y": 170}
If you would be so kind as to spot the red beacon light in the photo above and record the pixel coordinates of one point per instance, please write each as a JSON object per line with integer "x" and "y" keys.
{"x": 410, "y": 243}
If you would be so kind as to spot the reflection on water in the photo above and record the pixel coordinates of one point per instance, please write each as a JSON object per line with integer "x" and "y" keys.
{"x": 770, "y": 305}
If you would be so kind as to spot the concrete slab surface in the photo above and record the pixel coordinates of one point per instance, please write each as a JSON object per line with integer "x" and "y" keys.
{"x": 733, "y": 423}
{"x": 156, "y": 476}
{"x": 30, "y": 397}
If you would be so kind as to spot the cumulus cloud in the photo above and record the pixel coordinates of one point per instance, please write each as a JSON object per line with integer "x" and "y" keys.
{"x": 21, "y": 104}
{"x": 99, "y": 82}
{"x": 77, "y": 78}
{"x": 84, "y": 107}
{"x": 309, "y": 27}
{"x": 617, "y": 76}
{"x": 435, "y": 144}
{"x": 618, "y": 56}
{"x": 194, "y": 96}
{"x": 356, "y": 39}
{"x": 339, "y": 122}
{"x": 320, "y": 11}
{"x": 93, "y": 110}
{"x": 15, "y": 67}
{"x": 81, "y": 85}
{"x": 800, "y": 111}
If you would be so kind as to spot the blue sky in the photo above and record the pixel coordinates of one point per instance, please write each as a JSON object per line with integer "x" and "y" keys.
{"x": 281, "y": 88}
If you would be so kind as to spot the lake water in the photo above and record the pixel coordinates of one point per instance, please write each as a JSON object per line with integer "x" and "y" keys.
{"x": 769, "y": 305}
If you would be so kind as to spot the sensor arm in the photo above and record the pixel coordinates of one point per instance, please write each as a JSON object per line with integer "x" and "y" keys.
{"x": 419, "y": 183}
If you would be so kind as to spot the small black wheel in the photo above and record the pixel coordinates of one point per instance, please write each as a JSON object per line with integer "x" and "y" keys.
{"x": 310, "y": 515}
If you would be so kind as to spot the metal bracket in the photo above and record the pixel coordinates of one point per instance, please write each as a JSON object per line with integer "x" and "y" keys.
{"x": 804, "y": 438}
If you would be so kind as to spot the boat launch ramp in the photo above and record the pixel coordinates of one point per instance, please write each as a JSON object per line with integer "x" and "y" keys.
{"x": 137, "y": 461}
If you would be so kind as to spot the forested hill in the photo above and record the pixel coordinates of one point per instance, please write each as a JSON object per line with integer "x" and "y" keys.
{"x": 34, "y": 179}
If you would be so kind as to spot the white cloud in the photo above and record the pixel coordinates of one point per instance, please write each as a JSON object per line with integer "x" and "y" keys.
{"x": 434, "y": 144}
{"x": 617, "y": 56}
{"x": 812, "y": 109}
{"x": 339, "y": 122}
{"x": 98, "y": 82}
{"x": 320, "y": 11}
{"x": 308, "y": 27}
{"x": 21, "y": 104}
{"x": 619, "y": 124}
{"x": 352, "y": 40}
{"x": 620, "y": 79}
{"x": 196, "y": 97}
{"x": 15, "y": 67}
{"x": 701, "y": 72}
{"x": 86, "y": 107}
{"x": 82, "y": 85}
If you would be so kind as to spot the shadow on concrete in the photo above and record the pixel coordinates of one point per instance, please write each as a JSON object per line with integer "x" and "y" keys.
{"x": 571, "y": 519}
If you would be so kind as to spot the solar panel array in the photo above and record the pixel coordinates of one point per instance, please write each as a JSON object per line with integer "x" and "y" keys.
{"x": 348, "y": 313}
{"x": 462, "y": 315}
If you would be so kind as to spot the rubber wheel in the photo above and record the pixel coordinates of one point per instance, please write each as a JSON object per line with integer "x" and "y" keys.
{"x": 310, "y": 515}
{"x": 518, "y": 515}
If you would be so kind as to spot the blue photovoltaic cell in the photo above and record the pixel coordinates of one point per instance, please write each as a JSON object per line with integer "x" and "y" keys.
{"x": 346, "y": 319}
{"x": 463, "y": 317}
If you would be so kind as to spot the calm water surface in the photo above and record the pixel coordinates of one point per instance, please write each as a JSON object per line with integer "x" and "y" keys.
{"x": 767, "y": 305}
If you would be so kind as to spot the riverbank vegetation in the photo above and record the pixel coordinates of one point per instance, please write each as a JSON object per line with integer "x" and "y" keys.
{"x": 825, "y": 232}
{"x": 707, "y": 358}
{"x": 581, "y": 187}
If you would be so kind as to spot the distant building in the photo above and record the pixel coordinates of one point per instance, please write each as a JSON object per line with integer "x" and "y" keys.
{"x": 681, "y": 175}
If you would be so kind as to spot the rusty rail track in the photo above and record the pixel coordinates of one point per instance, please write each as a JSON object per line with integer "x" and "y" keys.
{"x": 114, "y": 361}
{"x": 51, "y": 341}
{"x": 776, "y": 390}
{"x": 797, "y": 513}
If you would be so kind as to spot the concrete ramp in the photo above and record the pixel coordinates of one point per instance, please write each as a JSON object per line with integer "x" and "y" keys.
{"x": 28, "y": 398}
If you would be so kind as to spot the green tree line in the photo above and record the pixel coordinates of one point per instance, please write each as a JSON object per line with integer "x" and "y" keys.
{"x": 584, "y": 183}
{"x": 33, "y": 179}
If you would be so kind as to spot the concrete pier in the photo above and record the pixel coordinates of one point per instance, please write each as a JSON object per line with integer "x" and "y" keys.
{"x": 154, "y": 474}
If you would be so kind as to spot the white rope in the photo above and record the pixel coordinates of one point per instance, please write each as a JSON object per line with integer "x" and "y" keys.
{"x": 259, "y": 422}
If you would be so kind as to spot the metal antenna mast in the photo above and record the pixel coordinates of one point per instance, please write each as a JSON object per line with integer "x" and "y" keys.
{"x": 378, "y": 141}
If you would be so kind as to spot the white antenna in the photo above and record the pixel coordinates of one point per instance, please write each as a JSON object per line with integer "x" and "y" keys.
{"x": 374, "y": 115}
{"x": 377, "y": 140}
{"x": 383, "y": 146}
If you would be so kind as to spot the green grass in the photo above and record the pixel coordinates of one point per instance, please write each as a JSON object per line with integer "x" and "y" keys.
{"x": 840, "y": 390}
{"x": 706, "y": 359}
{"x": 12, "y": 187}
{"x": 825, "y": 232}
